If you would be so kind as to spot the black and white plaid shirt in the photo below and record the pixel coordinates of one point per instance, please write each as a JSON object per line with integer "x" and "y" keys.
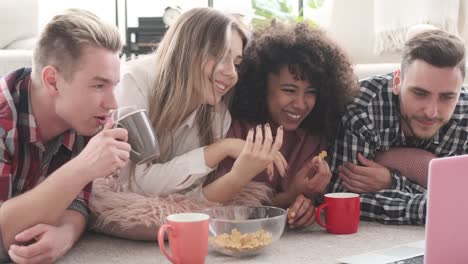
{"x": 372, "y": 123}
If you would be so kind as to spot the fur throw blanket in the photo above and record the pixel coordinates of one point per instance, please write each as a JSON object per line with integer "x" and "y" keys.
{"x": 134, "y": 216}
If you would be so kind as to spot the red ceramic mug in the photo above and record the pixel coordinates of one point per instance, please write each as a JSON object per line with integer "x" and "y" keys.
{"x": 188, "y": 238}
{"x": 342, "y": 212}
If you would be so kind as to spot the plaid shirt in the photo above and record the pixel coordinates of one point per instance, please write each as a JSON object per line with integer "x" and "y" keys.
{"x": 372, "y": 123}
{"x": 24, "y": 160}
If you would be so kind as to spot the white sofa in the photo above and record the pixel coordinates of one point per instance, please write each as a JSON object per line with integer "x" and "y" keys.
{"x": 352, "y": 25}
{"x": 18, "y": 33}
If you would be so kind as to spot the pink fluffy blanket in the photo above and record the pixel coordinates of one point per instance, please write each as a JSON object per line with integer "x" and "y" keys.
{"x": 138, "y": 217}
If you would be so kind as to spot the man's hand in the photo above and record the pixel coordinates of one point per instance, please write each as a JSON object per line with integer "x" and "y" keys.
{"x": 106, "y": 153}
{"x": 371, "y": 177}
{"x": 301, "y": 212}
{"x": 49, "y": 243}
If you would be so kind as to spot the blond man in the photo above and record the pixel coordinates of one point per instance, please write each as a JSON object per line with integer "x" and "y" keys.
{"x": 55, "y": 136}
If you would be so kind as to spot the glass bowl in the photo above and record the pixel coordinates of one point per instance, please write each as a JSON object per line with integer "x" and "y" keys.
{"x": 241, "y": 231}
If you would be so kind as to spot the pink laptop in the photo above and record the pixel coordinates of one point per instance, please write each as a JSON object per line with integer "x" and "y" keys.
{"x": 447, "y": 212}
{"x": 446, "y": 220}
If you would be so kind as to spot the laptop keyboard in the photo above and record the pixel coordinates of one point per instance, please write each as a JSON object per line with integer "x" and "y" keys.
{"x": 413, "y": 260}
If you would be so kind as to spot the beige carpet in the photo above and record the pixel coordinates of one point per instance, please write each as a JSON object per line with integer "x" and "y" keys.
{"x": 307, "y": 246}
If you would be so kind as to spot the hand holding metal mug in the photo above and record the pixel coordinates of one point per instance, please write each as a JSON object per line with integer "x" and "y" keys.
{"x": 141, "y": 136}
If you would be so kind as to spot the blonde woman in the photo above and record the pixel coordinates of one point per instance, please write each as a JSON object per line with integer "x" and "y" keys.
{"x": 184, "y": 86}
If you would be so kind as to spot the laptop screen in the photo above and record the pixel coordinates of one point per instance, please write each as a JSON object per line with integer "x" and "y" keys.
{"x": 447, "y": 211}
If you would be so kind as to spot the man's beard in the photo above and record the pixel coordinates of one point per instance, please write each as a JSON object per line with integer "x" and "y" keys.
{"x": 408, "y": 123}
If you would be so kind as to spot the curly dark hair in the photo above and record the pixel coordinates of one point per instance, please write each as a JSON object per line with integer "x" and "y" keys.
{"x": 310, "y": 55}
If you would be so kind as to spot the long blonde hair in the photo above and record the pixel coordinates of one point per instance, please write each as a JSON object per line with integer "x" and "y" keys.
{"x": 179, "y": 83}
{"x": 181, "y": 57}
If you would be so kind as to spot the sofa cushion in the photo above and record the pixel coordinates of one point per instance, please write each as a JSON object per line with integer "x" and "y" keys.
{"x": 372, "y": 69}
{"x": 23, "y": 44}
{"x": 14, "y": 59}
{"x": 23, "y": 14}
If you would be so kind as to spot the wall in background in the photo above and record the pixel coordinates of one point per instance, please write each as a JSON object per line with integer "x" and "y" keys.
{"x": 135, "y": 8}
{"x": 103, "y": 8}
{"x": 106, "y": 9}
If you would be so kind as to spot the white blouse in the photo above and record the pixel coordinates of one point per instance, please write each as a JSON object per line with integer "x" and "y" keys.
{"x": 186, "y": 170}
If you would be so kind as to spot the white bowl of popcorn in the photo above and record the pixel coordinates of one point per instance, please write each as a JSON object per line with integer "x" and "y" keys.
{"x": 244, "y": 230}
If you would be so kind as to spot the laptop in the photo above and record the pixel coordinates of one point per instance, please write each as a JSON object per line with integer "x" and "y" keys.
{"x": 446, "y": 220}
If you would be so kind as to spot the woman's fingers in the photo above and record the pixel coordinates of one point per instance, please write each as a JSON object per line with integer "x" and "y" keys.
{"x": 267, "y": 143}
{"x": 279, "y": 164}
{"x": 306, "y": 219}
{"x": 278, "y": 140}
{"x": 270, "y": 171}
{"x": 263, "y": 147}
{"x": 248, "y": 145}
{"x": 283, "y": 160}
{"x": 257, "y": 145}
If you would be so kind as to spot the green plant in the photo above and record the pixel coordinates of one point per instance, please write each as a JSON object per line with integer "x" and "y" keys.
{"x": 315, "y": 4}
{"x": 281, "y": 10}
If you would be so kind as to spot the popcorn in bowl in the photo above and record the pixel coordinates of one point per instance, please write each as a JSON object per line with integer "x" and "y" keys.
{"x": 244, "y": 230}
{"x": 242, "y": 242}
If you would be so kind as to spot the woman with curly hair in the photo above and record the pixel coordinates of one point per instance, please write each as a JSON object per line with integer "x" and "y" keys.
{"x": 298, "y": 78}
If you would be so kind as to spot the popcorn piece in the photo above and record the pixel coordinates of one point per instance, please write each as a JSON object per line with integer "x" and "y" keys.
{"x": 323, "y": 154}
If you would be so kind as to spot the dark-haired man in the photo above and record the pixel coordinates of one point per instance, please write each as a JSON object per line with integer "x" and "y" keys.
{"x": 422, "y": 105}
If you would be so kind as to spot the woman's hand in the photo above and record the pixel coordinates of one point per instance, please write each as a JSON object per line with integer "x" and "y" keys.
{"x": 255, "y": 156}
{"x": 258, "y": 152}
{"x": 312, "y": 179}
{"x": 301, "y": 212}
{"x": 234, "y": 148}
{"x": 317, "y": 184}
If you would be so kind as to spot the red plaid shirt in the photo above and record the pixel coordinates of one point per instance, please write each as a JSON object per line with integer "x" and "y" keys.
{"x": 24, "y": 160}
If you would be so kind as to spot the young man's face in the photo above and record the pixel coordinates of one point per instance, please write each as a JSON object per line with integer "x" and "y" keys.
{"x": 428, "y": 96}
{"x": 85, "y": 100}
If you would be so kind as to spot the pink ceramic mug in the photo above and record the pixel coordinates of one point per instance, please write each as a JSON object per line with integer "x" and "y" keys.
{"x": 188, "y": 238}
